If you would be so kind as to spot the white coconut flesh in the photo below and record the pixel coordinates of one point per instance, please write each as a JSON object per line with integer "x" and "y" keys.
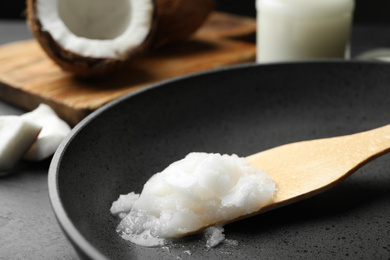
{"x": 16, "y": 136}
{"x": 97, "y": 28}
{"x": 54, "y": 130}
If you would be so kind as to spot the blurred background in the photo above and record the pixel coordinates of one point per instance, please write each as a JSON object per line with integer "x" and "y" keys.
{"x": 367, "y": 11}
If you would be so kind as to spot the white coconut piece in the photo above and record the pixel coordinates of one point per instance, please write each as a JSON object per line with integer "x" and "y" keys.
{"x": 16, "y": 137}
{"x": 54, "y": 129}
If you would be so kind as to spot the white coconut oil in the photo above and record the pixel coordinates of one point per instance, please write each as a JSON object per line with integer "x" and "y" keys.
{"x": 303, "y": 29}
{"x": 199, "y": 191}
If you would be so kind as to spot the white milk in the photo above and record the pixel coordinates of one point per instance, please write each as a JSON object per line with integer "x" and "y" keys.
{"x": 303, "y": 29}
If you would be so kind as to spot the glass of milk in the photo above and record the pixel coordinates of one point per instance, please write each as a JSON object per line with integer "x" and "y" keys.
{"x": 290, "y": 30}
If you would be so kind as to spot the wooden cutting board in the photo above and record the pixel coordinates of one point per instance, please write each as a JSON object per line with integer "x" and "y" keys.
{"x": 28, "y": 77}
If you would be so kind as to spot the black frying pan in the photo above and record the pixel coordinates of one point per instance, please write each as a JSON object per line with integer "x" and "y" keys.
{"x": 241, "y": 110}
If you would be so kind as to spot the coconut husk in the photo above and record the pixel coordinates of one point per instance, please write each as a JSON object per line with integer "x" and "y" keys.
{"x": 178, "y": 19}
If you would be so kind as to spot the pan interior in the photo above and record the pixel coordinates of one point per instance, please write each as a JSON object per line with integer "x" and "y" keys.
{"x": 242, "y": 110}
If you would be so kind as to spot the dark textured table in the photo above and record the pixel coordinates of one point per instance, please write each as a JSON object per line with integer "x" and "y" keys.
{"x": 28, "y": 227}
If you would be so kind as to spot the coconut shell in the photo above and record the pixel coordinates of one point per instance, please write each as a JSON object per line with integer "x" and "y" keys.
{"x": 178, "y": 19}
{"x": 172, "y": 20}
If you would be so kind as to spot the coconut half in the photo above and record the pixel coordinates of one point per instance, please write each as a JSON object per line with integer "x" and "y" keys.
{"x": 95, "y": 37}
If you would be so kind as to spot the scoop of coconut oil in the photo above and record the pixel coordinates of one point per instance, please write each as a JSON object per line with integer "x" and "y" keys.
{"x": 198, "y": 191}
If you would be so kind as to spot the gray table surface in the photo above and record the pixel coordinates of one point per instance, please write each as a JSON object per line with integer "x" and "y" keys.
{"x": 28, "y": 227}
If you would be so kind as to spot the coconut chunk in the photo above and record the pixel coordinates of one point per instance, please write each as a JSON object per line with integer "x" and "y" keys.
{"x": 16, "y": 137}
{"x": 54, "y": 129}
